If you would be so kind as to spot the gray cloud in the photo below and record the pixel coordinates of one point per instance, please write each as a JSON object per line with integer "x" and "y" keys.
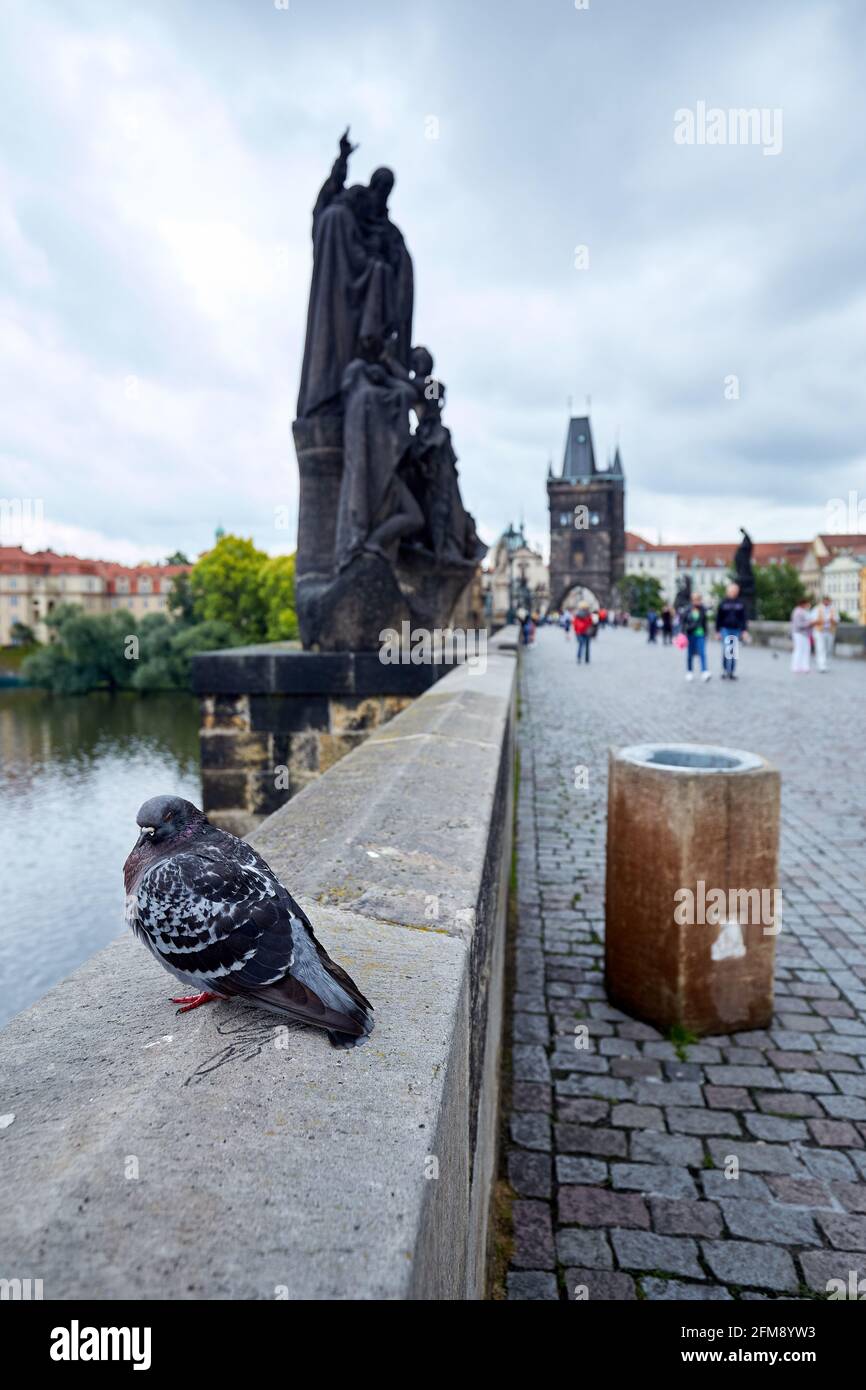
{"x": 159, "y": 169}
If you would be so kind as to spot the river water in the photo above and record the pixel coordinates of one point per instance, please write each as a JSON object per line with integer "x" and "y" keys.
{"x": 73, "y": 772}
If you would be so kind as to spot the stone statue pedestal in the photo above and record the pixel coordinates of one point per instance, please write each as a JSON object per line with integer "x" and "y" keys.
{"x": 273, "y": 718}
{"x": 347, "y": 610}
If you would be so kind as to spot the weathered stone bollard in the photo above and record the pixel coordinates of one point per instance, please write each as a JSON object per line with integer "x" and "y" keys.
{"x": 692, "y": 905}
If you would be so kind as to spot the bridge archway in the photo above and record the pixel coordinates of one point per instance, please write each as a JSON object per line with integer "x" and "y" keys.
{"x": 576, "y": 594}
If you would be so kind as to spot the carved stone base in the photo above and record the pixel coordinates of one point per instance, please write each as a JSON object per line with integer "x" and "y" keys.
{"x": 349, "y": 612}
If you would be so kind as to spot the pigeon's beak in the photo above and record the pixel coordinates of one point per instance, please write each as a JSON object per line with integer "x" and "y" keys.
{"x": 146, "y": 834}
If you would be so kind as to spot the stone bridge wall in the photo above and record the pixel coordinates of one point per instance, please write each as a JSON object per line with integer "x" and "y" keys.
{"x": 219, "y": 1155}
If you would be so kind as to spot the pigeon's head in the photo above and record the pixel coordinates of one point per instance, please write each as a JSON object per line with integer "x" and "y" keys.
{"x": 164, "y": 818}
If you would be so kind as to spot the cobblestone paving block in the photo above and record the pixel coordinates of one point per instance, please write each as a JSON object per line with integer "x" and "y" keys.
{"x": 581, "y": 1139}
{"x": 653, "y": 1179}
{"x": 682, "y": 1121}
{"x": 763, "y": 1077}
{"x": 582, "y": 1111}
{"x": 532, "y": 1286}
{"x": 600, "y": 1206}
{"x": 820, "y": 1266}
{"x": 844, "y": 1232}
{"x": 530, "y": 1173}
{"x": 588, "y": 1249}
{"x": 802, "y": 1192}
{"x": 834, "y": 1134}
{"x": 669, "y": 1254}
{"x": 851, "y": 1195}
{"x": 755, "y": 1157}
{"x": 674, "y": 1290}
{"x": 747, "y": 1263}
{"x": 530, "y": 1028}
{"x": 775, "y": 1129}
{"x": 829, "y": 1163}
{"x": 785, "y": 1225}
{"x": 685, "y": 1218}
{"x": 845, "y": 1107}
{"x": 599, "y": 1286}
{"x": 792, "y": 1103}
{"x": 590, "y": 1171}
{"x": 717, "y": 1187}
{"x": 531, "y": 1131}
{"x": 529, "y": 1062}
{"x": 528, "y": 1095}
{"x": 667, "y": 1093}
{"x": 730, "y": 1098}
{"x": 603, "y": 1087}
{"x": 630, "y": 1116}
{"x": 681, "y": 1150}
{"x": 533, "y": 1235}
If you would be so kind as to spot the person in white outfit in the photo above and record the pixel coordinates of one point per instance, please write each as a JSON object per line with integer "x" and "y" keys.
{"x": 825, "y": 618}
{"x": 801, "y": 626}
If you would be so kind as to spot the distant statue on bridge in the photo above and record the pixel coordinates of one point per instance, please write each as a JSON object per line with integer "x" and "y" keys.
{"x": 745, "y": 574}
{"x": 362, "y": 286}
{"x": 383, "y": 536}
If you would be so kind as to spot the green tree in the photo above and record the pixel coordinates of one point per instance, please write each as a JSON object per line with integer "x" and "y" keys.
{"x": 91, "y": 652}
{"x": 277, "y": 582}
{"x": 167, "y": 649}
{"x": 226, "y": 587}
{"x": 180, "y": 601}
{"x": 22, "y": 635}
{"x": 778, "y": 590}
{"x": 639, "y": 593}
{"x": 178, "y": 558}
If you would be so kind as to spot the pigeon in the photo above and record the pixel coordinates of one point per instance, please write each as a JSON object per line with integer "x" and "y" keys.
{"x": 217, "y": 917}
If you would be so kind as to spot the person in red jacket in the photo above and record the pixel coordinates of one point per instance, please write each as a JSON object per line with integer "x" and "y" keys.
{"x": 583, "y": 626}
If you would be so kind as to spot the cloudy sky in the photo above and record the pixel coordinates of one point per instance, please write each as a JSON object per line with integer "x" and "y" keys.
{"x": 160, "y": 161}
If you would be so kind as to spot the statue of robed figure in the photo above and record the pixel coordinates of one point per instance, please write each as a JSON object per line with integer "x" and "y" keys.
{"x": 383, "y": 536}
{"x": 362, "y": 286}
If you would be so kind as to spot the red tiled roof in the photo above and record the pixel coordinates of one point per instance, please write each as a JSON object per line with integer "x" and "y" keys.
{"x": 715, "y": 554}
{"x": 837, "y": 543}
{"x": 15, "y": 560}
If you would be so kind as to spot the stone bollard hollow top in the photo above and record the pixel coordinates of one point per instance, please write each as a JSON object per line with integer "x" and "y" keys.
{"x": 690, "y": 757}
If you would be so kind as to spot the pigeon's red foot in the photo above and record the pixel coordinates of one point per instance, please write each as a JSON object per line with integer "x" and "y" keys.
{"x": 192, "y": 1001}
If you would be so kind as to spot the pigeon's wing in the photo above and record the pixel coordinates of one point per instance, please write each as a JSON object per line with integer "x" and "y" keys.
{"x": 224, "y": 920}
{"x": 204, "y": 915}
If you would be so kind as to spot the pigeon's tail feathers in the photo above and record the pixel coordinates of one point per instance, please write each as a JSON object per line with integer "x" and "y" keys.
{"x": 349, "y": 1039}
{"x": 341, "y": 1017}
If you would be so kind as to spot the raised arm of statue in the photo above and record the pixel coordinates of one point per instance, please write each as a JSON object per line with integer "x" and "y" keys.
{"x": 336, "y": 180}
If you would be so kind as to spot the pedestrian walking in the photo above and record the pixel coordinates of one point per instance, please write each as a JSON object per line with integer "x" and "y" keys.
{"x": 825, "y": 619}
{"x": 694, "y": 626}
{"x": 732, "y": 625}
{"x": 667, "y": 625}
{"x": 652, "y": 623}
{"x": 583, "y": 630}
{"x": 801, "y": 629}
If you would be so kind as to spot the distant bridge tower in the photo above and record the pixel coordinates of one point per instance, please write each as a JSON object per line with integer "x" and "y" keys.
{"x": 587, "y": 520}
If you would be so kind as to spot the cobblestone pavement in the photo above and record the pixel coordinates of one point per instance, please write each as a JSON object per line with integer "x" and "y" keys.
{"x": 618, "y": 1153}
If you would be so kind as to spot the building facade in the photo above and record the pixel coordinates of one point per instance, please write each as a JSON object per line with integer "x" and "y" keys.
{"x": 33, "y": 585}
{"x": 843, "y": 579}
{"x": 587, "y": 522}
{"x": 706, "y": 564}
{"x": 515, "y": 576}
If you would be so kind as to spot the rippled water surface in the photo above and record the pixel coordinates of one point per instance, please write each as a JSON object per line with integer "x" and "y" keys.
{"x": 73, "y": 772}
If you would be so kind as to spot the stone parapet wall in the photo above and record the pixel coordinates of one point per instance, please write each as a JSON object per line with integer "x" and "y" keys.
{"x": 850, "y": 637}
{"x": 222, "y": 1155}
{"x": 274, "y": 718}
